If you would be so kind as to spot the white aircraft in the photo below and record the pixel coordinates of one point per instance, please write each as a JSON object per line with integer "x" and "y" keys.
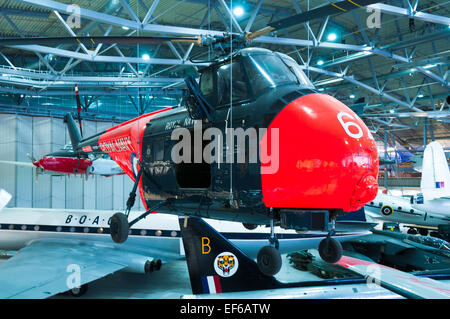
{"x": 431, "y": 208}
{"x": 60, "y": 250}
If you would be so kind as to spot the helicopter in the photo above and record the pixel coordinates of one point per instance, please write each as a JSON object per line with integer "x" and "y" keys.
{"x": 253, "y": 141}
{"x": 69, "y": 160}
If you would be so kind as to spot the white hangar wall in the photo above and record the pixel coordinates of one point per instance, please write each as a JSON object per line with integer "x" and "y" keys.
{"x": 21, "y": 134}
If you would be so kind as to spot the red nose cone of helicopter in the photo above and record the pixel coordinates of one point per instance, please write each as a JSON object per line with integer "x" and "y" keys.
{"x": 320, "y": 155}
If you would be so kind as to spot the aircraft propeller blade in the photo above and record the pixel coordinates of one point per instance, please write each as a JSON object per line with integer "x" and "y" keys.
{"x": 31, "y": 157}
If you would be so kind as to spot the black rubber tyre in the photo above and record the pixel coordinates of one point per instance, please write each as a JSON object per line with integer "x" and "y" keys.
{"x": 412, "y": 231}
{"x": 423, "y": 231}
{"x": 269, "y": 260}
{"x": 119, "y": 228}
{"x": 249, "y": 226}
{"x": 330, "y": 250}
{"x": 78, "y": 291}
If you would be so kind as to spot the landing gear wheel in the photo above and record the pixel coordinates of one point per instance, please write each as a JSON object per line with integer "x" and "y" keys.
{"x": 249, "y": 226}
{"x": 330, "y": 250}
{"x": 269, "y": 260}
{"x": 78, "y": 291}
{"x": 119, "y": 228}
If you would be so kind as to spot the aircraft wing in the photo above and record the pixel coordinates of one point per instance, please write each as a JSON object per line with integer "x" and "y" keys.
{"x": 48, "y": 267}
{"x": 402, "y": 283}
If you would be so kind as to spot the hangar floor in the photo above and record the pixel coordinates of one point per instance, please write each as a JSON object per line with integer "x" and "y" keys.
{"x": 171, "y": 282}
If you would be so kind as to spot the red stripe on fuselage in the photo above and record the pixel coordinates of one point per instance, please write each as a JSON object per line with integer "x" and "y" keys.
{"x": 122, "y": 140}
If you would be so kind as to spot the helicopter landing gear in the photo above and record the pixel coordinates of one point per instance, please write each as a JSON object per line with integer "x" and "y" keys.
{"x": 119, "y": 225}
{"x": 249, "y": 226}
{"x": 119, "y": 228}
{"x": 330, "y": 249}
{"x": 269, "y": 258}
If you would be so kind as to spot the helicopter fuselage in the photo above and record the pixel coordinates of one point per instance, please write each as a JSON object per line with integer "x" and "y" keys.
{"x": 312, "y": 153}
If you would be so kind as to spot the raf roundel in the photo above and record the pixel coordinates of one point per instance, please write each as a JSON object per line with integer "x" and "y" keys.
{"x": 226, "y": 264}
{"x": 134, "y": 163}
{"x": 386, "y": 210}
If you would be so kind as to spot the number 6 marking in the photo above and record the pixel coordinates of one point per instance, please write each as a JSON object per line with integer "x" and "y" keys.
{"x": 346, "y": 125}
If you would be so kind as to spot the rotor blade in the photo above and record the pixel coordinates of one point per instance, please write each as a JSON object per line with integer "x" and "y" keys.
{"x": 77, "y": 97}
{"x": 93, "y": 41}
{"x": 321, "y": 12}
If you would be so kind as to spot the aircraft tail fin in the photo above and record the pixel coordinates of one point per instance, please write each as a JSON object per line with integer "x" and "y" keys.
{"x": 435, "y": 182}
{"x": 74, "y": 133}
{"x": 215, "y": 265}
{"x": 5, "y": 197}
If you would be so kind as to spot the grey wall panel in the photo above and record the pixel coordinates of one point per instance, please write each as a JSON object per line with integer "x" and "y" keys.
{"x": 104, "y": 184}
{"x": 42, "y": 136}
{"x": 25, "y": 176}
{"x": 89, "y": 128}
{"x": 42, "y": 192}
{"x": 39, "y": 136}
{"x": 89, "y": 193}
{"x": 58, "y": 134}
{"x": 119, "y": 202}
{"x": 58, "y": 186}
{"x": 8, "y": 153}
{"x": 74, "y": 191}
{"x": 58, "y": 192}
{"x": 89, "y": 185}
{"x": 104, "y": 193}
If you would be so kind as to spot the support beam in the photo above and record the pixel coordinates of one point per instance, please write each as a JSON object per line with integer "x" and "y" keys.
{"x": 385, "y": 8}
{"x": 130, "y": 11}
{"x": 364, "y": 86}
{"x": 150, "y": 12}
{"x": 230, "y": 15}
{"x": 66, "y": 26}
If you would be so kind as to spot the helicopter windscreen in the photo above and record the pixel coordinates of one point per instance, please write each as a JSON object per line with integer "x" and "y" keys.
{"x": 266, "y": 71}
{"x": 301, "y": 76}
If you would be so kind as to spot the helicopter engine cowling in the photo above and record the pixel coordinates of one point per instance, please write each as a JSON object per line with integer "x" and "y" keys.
{"x": 104, "y": 167}
{"x": 327, "y": 157}
{"x": 63, "y": 165}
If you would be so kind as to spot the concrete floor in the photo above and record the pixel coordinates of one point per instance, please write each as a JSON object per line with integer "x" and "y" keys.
{"x": 171, "y": 282}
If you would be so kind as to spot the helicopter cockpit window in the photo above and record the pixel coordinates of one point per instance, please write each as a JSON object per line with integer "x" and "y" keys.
{"x": 301, "y": 76}
{"x": 207, "y": 84}
{"x": 240, "y": 88}
{"x": 266, "y": 71}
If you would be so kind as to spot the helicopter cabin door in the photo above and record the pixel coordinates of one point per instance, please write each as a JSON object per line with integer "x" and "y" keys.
{"x": 193, "y": 172}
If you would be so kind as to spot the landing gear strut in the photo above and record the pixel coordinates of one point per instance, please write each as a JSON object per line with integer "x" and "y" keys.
{"x": 330, "y": 250}
{"x": 269, "y": 258}
{"x": 119, "y": 226}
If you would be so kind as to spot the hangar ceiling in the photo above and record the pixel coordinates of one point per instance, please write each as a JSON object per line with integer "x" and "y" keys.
{"x": 395, "y": 75}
